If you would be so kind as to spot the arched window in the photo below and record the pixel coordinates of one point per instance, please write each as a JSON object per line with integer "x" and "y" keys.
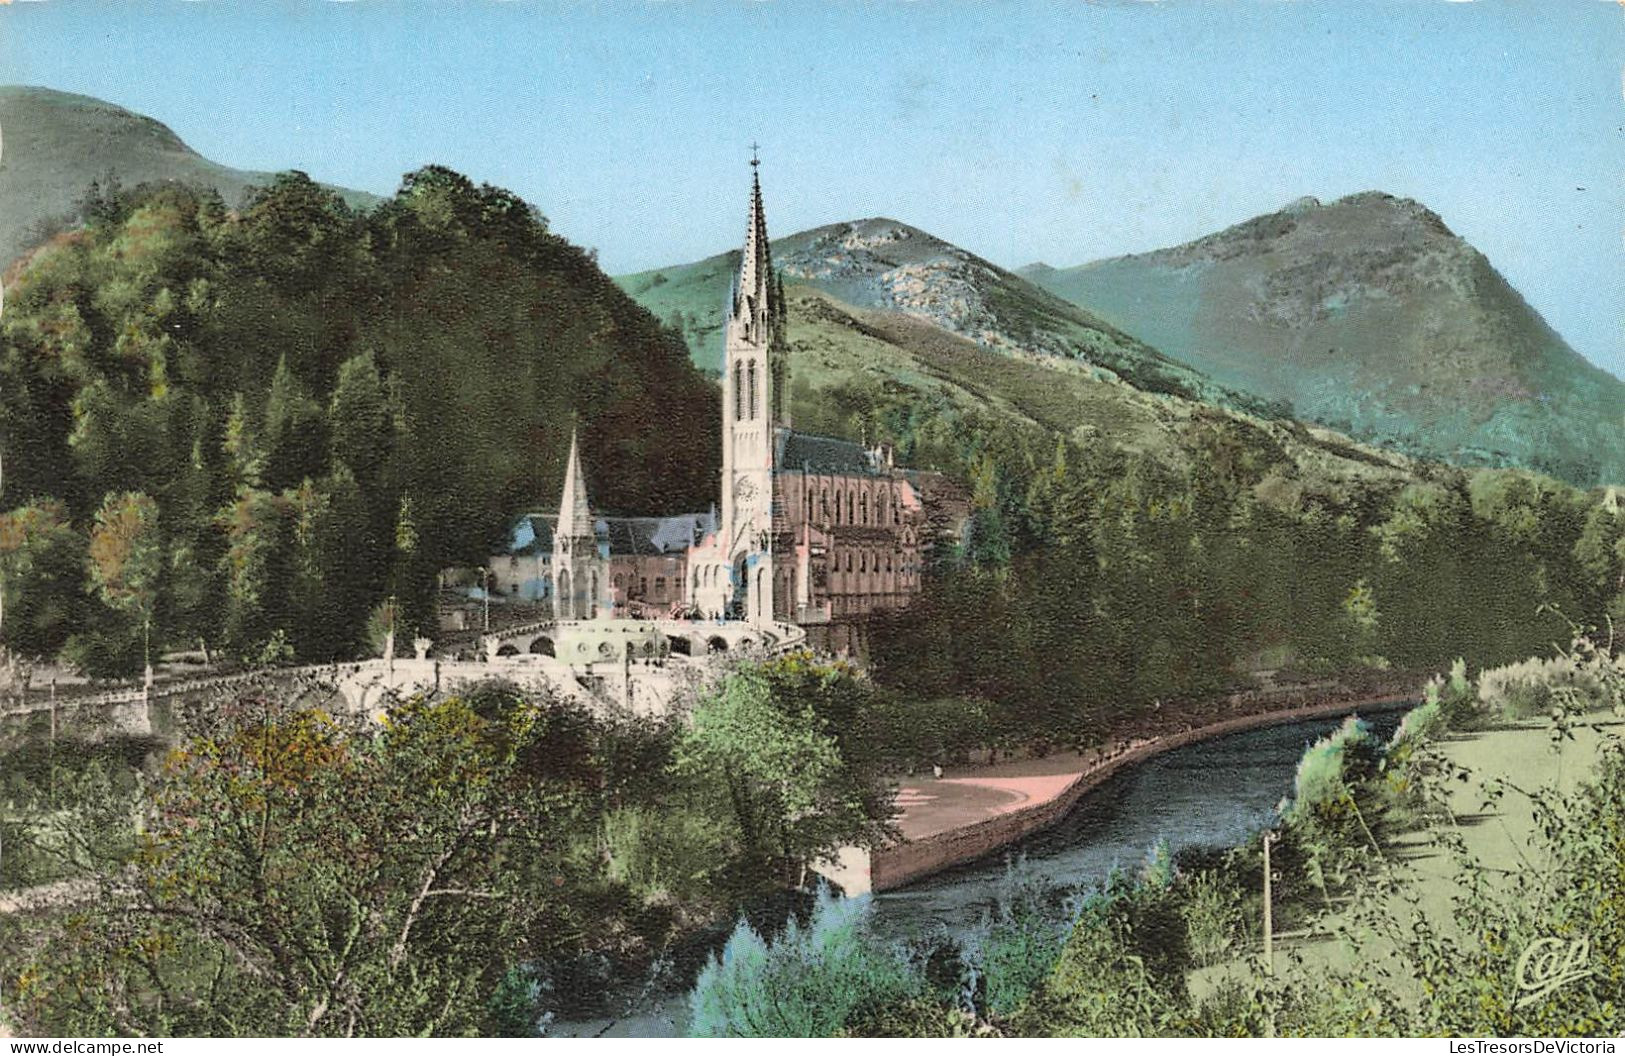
{"x": 808, "y": 504}
{"x": 837, "y": 507}
{"x": 739, "y": 391}
{"x": 753, "y": 390}
{"x": 863, "y": 561}
{"x": 863, "y": 508}
{"x": 849, "y": 519}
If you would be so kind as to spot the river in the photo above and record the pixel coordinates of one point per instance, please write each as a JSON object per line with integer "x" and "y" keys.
{"x": 1210, "y": 794}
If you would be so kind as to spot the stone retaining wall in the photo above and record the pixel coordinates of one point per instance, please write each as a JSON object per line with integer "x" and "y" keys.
{"x": 901, "y": 863}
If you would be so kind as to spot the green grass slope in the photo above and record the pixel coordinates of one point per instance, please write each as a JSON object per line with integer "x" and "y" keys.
{"x": 56, "y": 144}
{"x": 887, "y": 265}
{"x": 877, "y": 373}
{"x": 1370, "y": 315}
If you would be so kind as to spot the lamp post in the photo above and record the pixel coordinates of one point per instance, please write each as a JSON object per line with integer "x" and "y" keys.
{"x": 389, "y": 641}
{"x": 1269, "y": 933}
{"x": 485, "y": 597}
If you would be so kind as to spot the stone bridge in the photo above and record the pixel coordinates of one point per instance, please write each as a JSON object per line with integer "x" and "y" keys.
{"x": 693, "y": 638}
{"x": 610, "y": 666}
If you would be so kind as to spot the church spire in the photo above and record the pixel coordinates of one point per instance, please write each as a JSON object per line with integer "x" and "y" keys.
{"x": 755, "y": 294}
{"x": 575, "y": 513}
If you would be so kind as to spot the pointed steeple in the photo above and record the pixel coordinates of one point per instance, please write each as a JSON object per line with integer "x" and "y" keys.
{"x": 755, "y": 292}
{"x": 575, "y": 512}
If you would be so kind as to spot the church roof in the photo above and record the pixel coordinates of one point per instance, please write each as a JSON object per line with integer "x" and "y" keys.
{"x": 533, "y": 534}
{"x": 655, "y": 535}
{"x": 646, "y": 536}
{"x": 822, "y": 454}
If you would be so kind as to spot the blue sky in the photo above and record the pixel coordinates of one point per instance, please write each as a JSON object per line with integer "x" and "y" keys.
{"x": 1055, "y": 131}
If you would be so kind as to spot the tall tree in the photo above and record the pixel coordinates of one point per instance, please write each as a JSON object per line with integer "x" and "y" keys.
{"x": 293, "y": 434}
{"x": 41, "y": 577}
{"x": 779, "y": 768}
{"x": 127, "y": 561}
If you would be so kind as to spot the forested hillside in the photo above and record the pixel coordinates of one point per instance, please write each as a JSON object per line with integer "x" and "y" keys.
{"x": 253, "y": 428}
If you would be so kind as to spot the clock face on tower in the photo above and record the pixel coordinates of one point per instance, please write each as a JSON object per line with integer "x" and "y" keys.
{"x": 744, "y": 509}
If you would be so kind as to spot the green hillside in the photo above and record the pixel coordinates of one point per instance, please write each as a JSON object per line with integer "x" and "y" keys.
{"x": 883, "y": 264}
{"x": 1370, "y": 315}
{"x": 57, "y": 143}
{"x": 863, "y": 372}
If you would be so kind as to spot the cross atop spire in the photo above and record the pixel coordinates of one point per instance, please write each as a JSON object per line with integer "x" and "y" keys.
{"x": 754, "y": 160}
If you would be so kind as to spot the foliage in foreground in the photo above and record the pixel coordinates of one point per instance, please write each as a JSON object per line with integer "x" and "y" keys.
{"x": 465, "y": 868}
{"x": 302, "y": 875}
{"x": 806, "y": 983}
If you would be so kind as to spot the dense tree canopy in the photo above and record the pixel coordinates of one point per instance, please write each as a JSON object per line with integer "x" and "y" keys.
{"x": 324, "y": 408}
{"x": 1093, "y": 583}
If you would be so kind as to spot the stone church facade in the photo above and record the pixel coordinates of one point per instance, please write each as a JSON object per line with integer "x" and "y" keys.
{"x": 811, "y": 529}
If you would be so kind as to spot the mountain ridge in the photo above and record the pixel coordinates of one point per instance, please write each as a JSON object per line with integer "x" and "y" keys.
{"x": 878, "y": 263}
{"x": 56, "y": 143}
{"x": 1368, "y": 314}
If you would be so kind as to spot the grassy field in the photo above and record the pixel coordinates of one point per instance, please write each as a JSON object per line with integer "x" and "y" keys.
{"x": 1501, "y": 839}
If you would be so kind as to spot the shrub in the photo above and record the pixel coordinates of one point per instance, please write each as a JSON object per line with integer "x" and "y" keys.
{"x": 1015, "y": 950}
{"x": 673, "y": 851}
{"x": 1101, "y": 987}
{"x": 1327, "y": 820}
{"x": 515, "y": 1009}
{"x": 1331, "y": 766}
{"x": 1421, "y": 723}
{"x": 809, "y": 982}
{"x": 1213, "y": 916}
{"x": 1525, "y": 689}
{"x": 1457, "y": 699}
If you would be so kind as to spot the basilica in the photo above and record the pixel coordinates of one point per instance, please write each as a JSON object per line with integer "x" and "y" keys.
{"x": 808, "y": 529}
